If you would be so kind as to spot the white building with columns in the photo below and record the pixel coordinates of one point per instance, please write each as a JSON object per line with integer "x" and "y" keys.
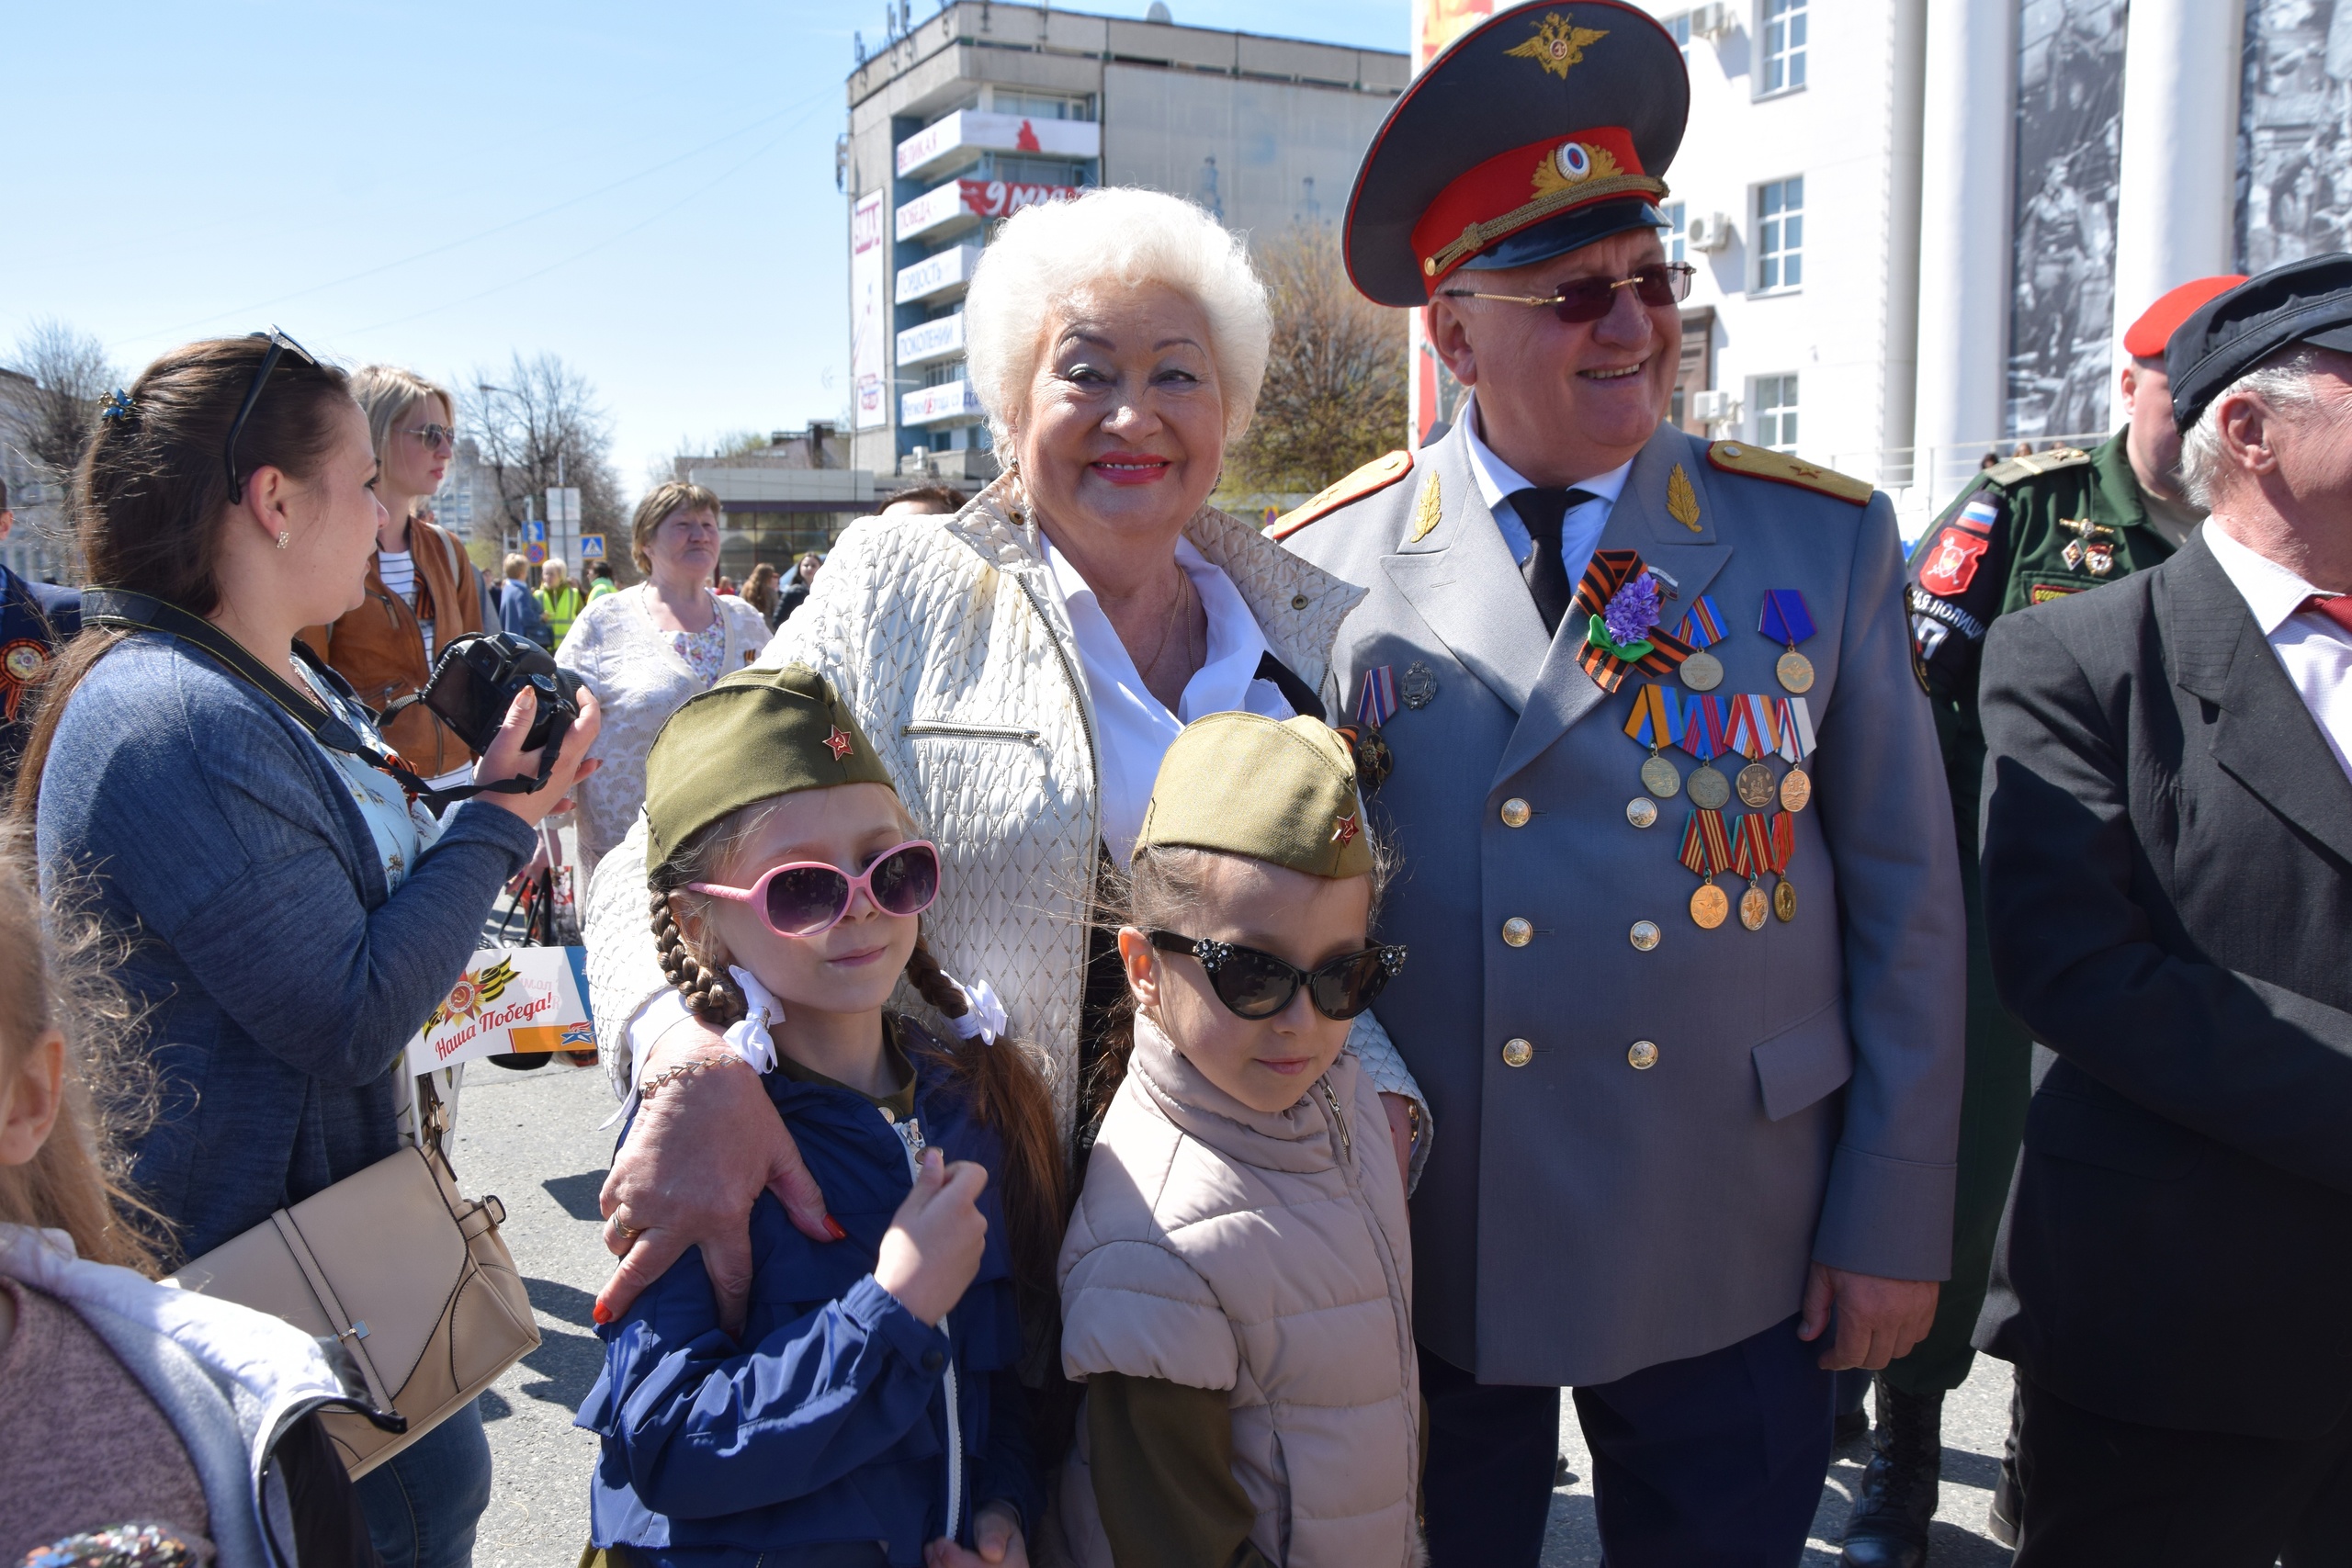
{"x": 1921, "y": 226}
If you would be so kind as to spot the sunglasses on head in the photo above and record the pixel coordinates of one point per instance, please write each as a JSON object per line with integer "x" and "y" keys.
{"x": 1258, "y": 985}
{"x": 807, "y": 898}
{"x": 280, "y": 345}
{"x": 1590, "y": 298}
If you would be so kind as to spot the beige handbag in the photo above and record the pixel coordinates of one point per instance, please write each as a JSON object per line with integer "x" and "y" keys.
{"x": 411, "y": 1278}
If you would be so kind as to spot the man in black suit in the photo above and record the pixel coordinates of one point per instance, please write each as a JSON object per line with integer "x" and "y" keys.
{"x": 36, "y": 620}
{"x": 2167, "y": 874}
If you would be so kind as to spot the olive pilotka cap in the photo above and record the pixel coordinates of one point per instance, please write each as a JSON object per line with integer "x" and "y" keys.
{"x": 1277, "y": 790}
{"x": 753, "y": 736}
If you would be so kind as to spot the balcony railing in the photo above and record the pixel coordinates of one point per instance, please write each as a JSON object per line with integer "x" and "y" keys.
{"x": 943, "y": 272}
{"x": 940, "y": 339}
{"x": 960, "y": 138}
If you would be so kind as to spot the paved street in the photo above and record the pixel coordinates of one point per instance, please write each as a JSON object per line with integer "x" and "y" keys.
{"x": 532, "y": 1139}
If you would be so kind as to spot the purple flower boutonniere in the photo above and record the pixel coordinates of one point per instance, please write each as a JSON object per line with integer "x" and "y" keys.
{"x": 1625, "y": 621}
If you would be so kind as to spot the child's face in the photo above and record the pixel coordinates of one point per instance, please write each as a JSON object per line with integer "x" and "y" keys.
{"x": 1266, "y": 1063}
{"x": 850, "y": 968}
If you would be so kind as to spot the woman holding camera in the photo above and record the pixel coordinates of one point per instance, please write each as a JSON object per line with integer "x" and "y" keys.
{"x": 644, "y": 650}
{"x": 297, "y": 916}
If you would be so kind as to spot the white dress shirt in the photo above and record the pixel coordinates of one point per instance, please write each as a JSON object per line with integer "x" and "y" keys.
{"x": 2315, "y": 653}
{"x": 1133, "y": 730}
{"x": 1581, "y": 526}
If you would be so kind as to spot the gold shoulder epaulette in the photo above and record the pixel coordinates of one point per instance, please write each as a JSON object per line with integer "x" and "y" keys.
{"x": 1763, "y": 463}
{"x": 2034, "y": 463}
{"x": 1376, "y": 475}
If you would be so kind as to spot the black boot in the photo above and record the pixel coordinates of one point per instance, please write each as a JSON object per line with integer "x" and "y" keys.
{"x": 1889, "y": 1526}
{"x": 2009, "y": 1495}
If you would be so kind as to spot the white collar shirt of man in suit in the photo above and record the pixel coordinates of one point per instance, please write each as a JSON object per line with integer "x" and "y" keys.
{"x": 2313, "y": 650}
{"x": 1133, "y": 728}
{"x": 1580, "y": 526}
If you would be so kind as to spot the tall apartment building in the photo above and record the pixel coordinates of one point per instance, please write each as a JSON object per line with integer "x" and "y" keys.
{"x": 989, "y": 106}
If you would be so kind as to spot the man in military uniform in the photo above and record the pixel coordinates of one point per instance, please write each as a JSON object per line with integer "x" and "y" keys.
{"x": 2024, "y": 532}
{"x": 1687, "y": 1160}
{"x": 36, "y": 620}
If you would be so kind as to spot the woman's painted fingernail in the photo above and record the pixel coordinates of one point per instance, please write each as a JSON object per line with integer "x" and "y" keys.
{"x": 833, "y": 1229}
{"x": 600, "y": 1314}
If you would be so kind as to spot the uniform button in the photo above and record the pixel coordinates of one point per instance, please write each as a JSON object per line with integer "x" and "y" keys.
{"x": 1518, "y": 1052}
{"x": 1518, "y": 932}
{"x": 1516, "y": 812}
{"x": 1642, "y": 1055}
{"x": 1641, "y": 811}
{"x": 932, "y": 1360}
{"x": 1644, "y": 936}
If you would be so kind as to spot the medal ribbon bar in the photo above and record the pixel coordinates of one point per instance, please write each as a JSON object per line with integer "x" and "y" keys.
{"x": 1784, "y": 842}
{"x": 1656, "y": 719}
{"x": 1377, "y": 703}
{"x": 1785, "y": 618}
{"x": 1704, "y": 626}
{"x": 1792, "y": 721}
{"x": 1704, "y": 848}
{"x": 1749, "y": 730}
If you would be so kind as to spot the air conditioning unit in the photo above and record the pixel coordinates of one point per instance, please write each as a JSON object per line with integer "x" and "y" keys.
{"x": 1708, "y": 231}
{"x": 1714, "y": 408}
{"x": 1711, "y": 21}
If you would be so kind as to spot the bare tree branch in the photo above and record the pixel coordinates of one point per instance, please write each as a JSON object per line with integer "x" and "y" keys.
{"x": 70, "y": 373}
{"x": 1334, "y": 397}
{"x": 525, "y": 417}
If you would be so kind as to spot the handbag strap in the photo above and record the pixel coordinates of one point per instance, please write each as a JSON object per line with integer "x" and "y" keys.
{"x": 123, "y": 610}
{"x": 349, "y": 1332}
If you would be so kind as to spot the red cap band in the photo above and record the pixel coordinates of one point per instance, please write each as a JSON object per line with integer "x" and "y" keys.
{"x": 2152, "y": 332}
{"x": 1523, "y": 186}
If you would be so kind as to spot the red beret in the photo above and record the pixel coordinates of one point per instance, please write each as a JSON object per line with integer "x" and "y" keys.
{"x": 2148, "y": 335}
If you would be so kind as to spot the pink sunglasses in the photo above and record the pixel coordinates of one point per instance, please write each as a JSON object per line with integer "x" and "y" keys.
{"x": 807, "y": 898}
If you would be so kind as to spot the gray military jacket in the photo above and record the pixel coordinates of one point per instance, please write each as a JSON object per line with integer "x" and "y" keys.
{"x": 1583, "y": 1217}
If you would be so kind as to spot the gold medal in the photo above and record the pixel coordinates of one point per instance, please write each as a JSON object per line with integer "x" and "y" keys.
{"x": 1796, "y": 789}
{"x": 1784, "y": 901}
{"x": 1709, "y": 905}
{"x": 1752, "y": 905}
{"x": 1710, "y": 791}
{"x": 1754, "y": 787}
{"x": 1641, "y": 811}
{"x": 1703, "y": 671}
{"x": 1795, "y": 672}
{"x": 1661, "y": 777}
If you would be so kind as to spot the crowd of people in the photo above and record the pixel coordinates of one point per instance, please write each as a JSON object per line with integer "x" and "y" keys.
{"x": 1143, "y": 1040}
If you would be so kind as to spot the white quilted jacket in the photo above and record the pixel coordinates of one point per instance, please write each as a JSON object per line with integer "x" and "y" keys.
{"x": 945, "y": 637}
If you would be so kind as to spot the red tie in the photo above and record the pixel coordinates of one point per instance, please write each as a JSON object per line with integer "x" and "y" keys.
{"x": 2337, "y": 607}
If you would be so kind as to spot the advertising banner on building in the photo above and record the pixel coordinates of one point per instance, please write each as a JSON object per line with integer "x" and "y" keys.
{"x": 1435, "y": 393}
{"x": 869, "y": 371}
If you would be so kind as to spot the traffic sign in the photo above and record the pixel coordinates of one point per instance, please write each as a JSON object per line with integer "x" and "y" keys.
{"x": 592, "y": 546}
{"x": 535, "y": 530}
{"x": 534, "y": 554}
{"x": 563, "y": 504}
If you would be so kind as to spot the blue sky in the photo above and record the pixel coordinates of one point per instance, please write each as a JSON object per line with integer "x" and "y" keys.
{"x": 644, "y": 189}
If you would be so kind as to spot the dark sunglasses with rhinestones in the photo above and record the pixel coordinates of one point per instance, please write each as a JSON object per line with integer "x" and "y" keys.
{"x": 1258, "y": 985}
{"x": 1590, "y": 298}
{"x": 279, "y": 346}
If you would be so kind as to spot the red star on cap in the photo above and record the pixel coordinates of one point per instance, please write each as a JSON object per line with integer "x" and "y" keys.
{"x": 838, "y": 744}
{"x": 1344, "y": 831}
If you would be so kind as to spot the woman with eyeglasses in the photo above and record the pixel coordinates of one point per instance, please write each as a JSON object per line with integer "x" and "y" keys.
{"x": 296, "y": 914}
{"x": 423, "y": 593}
{"x": 645, "y": 649}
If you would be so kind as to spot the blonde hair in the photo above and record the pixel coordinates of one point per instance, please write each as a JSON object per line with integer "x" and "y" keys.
{"x": 54, "y": 975}
{"x": 386, "y": 392}
{"x": 516, "y": 566}
{"x": 660, "y": 503}
{"x": 1045, "y": 256}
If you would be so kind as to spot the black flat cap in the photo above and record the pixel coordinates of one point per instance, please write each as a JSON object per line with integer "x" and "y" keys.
{"x": 1537, "y": 132}
{"x": 2305, "y": 301}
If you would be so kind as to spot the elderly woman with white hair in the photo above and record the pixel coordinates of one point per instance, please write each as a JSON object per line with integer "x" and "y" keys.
{"x": 1022, "y": 666}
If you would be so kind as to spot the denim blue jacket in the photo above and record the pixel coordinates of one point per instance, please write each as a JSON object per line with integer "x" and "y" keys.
{"x": 830, "y": 1421}
{"x": 283, "y": 980}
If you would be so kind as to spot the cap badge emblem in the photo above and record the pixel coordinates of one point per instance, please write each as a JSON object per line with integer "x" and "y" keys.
{"x": 1559, "y": 43}
{"x": 838, "y": 744}
{"x": 1571, "y": 163}
{"x": 1343, "y": 831}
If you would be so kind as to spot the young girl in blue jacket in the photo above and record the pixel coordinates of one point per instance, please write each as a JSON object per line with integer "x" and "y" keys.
{"x": 870, "y": 1411}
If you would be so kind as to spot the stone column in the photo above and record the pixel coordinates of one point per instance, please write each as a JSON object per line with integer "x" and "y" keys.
{"x": 2173, "y": 218}
{"x": 1967, "y": 116}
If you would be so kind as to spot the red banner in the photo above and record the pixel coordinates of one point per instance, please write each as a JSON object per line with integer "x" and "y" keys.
{"x": 1002, "y": 199}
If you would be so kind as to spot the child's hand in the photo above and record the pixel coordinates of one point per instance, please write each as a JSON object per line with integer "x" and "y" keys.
{"x": 997, "y": 1530}
{"x": 932, "y": 1248}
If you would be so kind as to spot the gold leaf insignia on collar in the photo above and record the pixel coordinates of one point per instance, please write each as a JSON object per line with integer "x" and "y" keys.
{"x": 1559, "y": 43}
{"x": 1427, "y": 511}
{"x": 1681, "y": 500}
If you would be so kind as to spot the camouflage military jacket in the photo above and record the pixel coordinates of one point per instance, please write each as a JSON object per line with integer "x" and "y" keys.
{"x": 2031, "y": 530}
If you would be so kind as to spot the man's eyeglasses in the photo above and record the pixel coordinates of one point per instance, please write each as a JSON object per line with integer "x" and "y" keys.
{"x": 439, "y": 437}
{"x": 1590, "y": 298}
{"x": 280, "y": 344}
{"x": 1258, "y": 985}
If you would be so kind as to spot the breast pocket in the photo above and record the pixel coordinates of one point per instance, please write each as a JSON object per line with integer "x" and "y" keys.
{"x": 979, "y": 783}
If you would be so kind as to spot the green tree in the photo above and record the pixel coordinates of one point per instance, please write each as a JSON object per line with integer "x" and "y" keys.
{"x": 1334, "y": 397}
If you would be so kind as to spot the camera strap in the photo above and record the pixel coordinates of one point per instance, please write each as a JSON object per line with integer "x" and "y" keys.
{"x": 125, "y": 611}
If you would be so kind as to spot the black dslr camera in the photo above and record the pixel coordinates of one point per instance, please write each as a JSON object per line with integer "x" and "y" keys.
{"x": 477, "y": 677}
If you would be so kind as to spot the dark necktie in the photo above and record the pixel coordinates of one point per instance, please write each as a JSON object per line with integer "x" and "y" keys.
{"x": 1541, "y": 511}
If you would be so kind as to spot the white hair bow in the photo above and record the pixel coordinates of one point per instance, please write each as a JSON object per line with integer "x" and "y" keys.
{"x": 749, "y": 1035}
{"x": 984, "y": 1017}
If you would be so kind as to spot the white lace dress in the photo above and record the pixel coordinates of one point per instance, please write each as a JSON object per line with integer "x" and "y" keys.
{"x": 641, "y": 675}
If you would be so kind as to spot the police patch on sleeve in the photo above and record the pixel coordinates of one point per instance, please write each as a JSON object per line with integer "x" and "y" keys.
{"x": 1951, "y": 562}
